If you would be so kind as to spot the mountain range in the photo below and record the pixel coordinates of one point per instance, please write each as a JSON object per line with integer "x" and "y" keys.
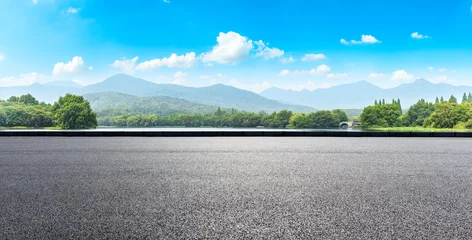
{"x": 360, "y": 94}
{"x": 216, "y": 95}
{"x": 346, "y": 96}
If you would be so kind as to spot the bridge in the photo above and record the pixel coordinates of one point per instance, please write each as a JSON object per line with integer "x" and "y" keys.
{"x": 346, "y": 125}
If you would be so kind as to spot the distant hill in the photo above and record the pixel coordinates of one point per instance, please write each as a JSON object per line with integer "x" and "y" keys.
{"x": 48, "y": 92}
{"x": 219, "y": 94}
{"x": 360, "y": 94}
{"x": 112, "y": 103}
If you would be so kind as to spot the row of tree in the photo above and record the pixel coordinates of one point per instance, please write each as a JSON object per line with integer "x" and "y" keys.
{"x": 281, "y": 119}
{"x": 69, "y": 112}
{"x": 441, "y": 114}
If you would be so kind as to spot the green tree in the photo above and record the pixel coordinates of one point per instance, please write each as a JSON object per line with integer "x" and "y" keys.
{"x": 28, "y": 100}
{"x": 436, "y": 101}
{"x": 417, "y": 113}
{"x": 442, "y": 99}
{"x": 73, "y": 112}
{"x": 339, "y": 116}
{"x": 442, "y": 117}
{"x": 453, "y": 99}
{"x": 387, "y": 115}
{"x": 469, "y": 98}
{"x": 464, "y": 98}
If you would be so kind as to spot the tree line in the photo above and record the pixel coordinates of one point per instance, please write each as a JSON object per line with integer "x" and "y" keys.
{"x": 238, "y": 119}
{"x": 440, "y": 114}
{"x": 69, "y": 112}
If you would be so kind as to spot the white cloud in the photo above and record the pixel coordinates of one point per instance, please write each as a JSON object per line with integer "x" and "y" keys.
{"x": 125, "y": 64}
{"x": 254, "y": 87}
{"x": 205, "y": 77}
{"x": 402, "y": 75}
{"x": 416, "y": 35}
{"x": 2, "y": 57}
{"x": 442, "y": 69}
{"x": 35, "y": 1}
{"x": 90, "y": 68}
{"x": 430, "y": 68}
{"x": 174, "y": 61}
{"x": 376, "y": 75}
{"x": 209, "y": 64}
{"x": 166, "y": 1}
{"x": 337, "y": 75}
{"x": 231, "y": 48}
{"x": 73, "y": 10}
{"x": 180, "y": 74}
{"x": 220, "y": 75}
{"x": 365, "y": 39}
{"x": 320, "y": 70}
{"x": 23, "y": 80}
{"x": 266, "y": 52}
{"x": 287, "y": 60}
{"x": 74, "y": 66}
{"x": 284, "y": 72}
{"x": 313, "y": 57}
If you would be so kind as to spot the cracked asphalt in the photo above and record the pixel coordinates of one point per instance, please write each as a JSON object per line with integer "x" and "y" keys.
{"x": 235, "y": 188}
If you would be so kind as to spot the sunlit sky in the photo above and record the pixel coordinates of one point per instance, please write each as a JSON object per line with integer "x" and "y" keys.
{"x": 254, "y": 45}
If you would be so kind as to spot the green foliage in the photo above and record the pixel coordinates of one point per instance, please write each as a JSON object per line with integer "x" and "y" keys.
{"x": 25, "y": 111}
{"x": 385, "y": 115}
{"x": 73, "y": 112}
{"x": 448, "y": 115}
{"x": 453, "y": 99}
{"x": 417, "y": 113}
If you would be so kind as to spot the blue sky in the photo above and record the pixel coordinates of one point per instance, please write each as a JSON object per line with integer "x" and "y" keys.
{"x": 292, "y": 44}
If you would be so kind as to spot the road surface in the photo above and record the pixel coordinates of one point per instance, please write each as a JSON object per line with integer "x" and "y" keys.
{"x": 233, "y": 188}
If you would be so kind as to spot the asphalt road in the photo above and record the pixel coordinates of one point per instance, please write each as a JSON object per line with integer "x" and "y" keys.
{"x": 234, "y": 188}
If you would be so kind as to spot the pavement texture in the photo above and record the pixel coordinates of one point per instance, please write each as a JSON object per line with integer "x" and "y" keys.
{"x": 235, "y": 188}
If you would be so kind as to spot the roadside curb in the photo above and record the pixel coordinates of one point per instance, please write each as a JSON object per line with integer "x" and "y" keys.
{"x": 242, "y": 133}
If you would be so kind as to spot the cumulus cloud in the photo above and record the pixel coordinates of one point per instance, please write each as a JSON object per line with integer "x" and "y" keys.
{"x": 166, "y": 1}
{"x": 35, "y": 1}
{"x": 287, "y": 60}
{"x": 320, "y": 70}
{"x": 73, "y": 10}
{"x": 430, "y": 68}
{"x": 266, "y": 52}
{"x": 313, "y": 57}
{"x": 125, "y": 64}
{"x": 442, "y": 69}
{"x": 180, "y": 74}
{"x": 416, "y": 35}
{"x": 174, "y": 61}
{"x": 231, "y": 48}
{"x": 365, "y": 39}
{"x": 74, "y": 66}
{"x": 2, "y": 57}
{"x": 376, "y": 75}
{"x": 23, "y": 80}
{"x": 402, "y": 75}
{"x": 90, "y": 68}
{"x": 337, "y": 75}
{"x": 284, "y": 72}
{"x": 220, "y": 75}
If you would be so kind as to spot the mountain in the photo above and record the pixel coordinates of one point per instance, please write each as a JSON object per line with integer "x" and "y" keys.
{"x": 119, "y": 103}
{"x": 219, "y": 94}
{"x": 360, "y": 94}
{"x": 48, "y": 92}
{"x": 215, "y": 95}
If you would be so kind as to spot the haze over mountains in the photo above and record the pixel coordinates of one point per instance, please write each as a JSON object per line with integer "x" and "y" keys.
{"x": 361, "y": 94}
{"x": 138, "y": 92}
{"x": 216, "y": 95}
